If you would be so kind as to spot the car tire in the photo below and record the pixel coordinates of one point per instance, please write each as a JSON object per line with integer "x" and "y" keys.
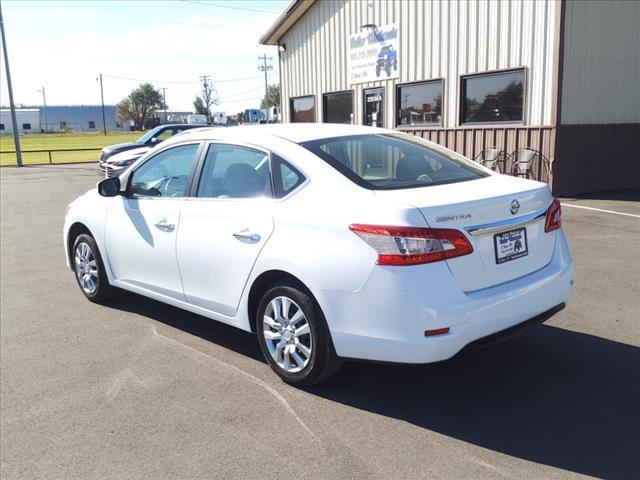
{"x": 89, "y": 269}
{"x": 301, "y": 359}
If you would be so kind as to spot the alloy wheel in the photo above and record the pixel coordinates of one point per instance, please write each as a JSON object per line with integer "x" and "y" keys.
{"x": 287, "y": 334}
{"x": 86, "y": 268}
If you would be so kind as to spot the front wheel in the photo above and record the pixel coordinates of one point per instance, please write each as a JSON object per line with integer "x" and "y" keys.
{"x": 294, "y": 337}
{"x": 89, "y": 269}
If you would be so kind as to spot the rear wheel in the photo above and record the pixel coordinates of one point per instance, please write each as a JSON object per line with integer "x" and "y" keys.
{"x": 89, "y": 269}
{"x": 294, "y": 337}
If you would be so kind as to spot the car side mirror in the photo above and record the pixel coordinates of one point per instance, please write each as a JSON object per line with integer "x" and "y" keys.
{"x": 153, "y": 140}
{"x": 109, "y": 187}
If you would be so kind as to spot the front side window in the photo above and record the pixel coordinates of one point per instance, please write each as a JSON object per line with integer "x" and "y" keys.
{"x": 234, "y": 171}
{"x": 419, "y": 104}
{"x": 303, "y": 109}
{"x": 373, "y": 107}
{"x": 165, "y": 174}
{"x": 394, "y": 161}
{"x": 493, "y": 98}
{"x": 338, "y": 107}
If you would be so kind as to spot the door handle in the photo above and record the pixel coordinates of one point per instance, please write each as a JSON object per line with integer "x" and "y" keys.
{"x": 164, "y": 226}
{"x": 246, "y": 235}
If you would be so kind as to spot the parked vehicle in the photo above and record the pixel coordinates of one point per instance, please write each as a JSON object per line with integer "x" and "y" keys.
{"x": 201, "y": 120}
{"x": 253, "y": 115}
{"x": 329, "y": 243}
{"x": 118, "y": 163}
{"x": 387, "y": 59}
{"x": 219, "y": 118}
{"x": 273, "y": 115}
{"x": 148, "y": 139}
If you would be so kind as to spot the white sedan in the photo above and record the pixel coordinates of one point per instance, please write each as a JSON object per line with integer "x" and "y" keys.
{"x": 328, "y": 242}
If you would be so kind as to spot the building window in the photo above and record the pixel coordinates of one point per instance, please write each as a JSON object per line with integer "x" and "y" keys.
{"x": 26, "y": 126}
{"x": 373, "y": 107}
{"x": 63, "y": 124}
{"x": 303, "y": 109}
{"x": 419, "y": 104}
{"x": 92, "y": 124}
{"x": 1, "y": 126}
{"x": 493, "y": 97}
{"x": 338, "y": 107}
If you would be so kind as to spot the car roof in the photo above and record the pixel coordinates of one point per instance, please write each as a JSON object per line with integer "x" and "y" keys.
{"x": 294, "y": 132}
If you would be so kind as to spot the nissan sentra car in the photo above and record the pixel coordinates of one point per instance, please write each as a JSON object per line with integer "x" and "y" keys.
{"x": 329, "y": 242}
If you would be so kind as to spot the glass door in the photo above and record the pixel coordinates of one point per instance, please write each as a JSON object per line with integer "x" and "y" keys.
{"x": 373, "y": 107}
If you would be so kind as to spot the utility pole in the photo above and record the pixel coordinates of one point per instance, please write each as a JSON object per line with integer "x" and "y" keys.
{"x": 14, "y": 121}
{"x": 104, "y": 121}
{"x": 44, "y": 102}
{"x": 265, "y": 68}
{"x": 164, "y": 103}
{"x": 206, "y": 95}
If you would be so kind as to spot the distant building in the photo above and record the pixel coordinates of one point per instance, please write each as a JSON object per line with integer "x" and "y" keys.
{"x": 28, "y": 121}
{"x": 62, "y": 118}
{"x": 80, "y": 118}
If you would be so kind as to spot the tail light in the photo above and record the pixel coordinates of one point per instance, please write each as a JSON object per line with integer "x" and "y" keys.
{"x": 411, "y": 245}
{"x": 554, "y": 217}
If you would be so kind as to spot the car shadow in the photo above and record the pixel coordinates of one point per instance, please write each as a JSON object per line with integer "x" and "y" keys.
{"x": 551, "y": 396}
{"x": 224, "y": 335}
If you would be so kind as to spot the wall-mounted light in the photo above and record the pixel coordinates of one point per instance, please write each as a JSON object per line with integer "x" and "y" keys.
{"x": 282, "y": 47}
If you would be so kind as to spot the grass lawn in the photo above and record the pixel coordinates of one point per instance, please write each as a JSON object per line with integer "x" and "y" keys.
{"x": 54, "y": 141}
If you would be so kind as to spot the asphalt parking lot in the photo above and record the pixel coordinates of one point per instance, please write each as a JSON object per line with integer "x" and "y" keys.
{"x": 138, "y": 389}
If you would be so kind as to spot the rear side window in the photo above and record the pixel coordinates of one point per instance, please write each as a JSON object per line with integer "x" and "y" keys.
{"x": 234, "y": 171}
{"x": 286, "y": 178}
{"x": 393, "y": 161}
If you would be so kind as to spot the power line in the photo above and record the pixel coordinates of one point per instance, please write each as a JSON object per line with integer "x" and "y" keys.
{"x": 231, "y": 7}
{"x": 117, "y": 77}
{"x": 246, "y": 91}
{"x": 240, "y": 100}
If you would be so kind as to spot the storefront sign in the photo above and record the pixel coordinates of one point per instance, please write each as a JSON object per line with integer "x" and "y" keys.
{"x": 374, "y": 54}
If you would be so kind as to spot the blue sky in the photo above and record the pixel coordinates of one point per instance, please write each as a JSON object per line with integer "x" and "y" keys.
{"x": 63, "y": 46}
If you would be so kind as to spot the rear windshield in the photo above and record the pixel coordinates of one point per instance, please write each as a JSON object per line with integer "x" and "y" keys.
{"x": 393, "y": 161}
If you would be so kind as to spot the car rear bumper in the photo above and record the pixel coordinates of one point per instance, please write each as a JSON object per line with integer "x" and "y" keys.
{"x": 387, "y": 318}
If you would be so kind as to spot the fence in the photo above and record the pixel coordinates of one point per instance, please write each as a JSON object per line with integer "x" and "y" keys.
{"x": 39, "y": 157}
{"x": 471, "y": 141}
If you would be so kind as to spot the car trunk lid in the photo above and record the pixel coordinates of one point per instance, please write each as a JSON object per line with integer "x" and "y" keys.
{"x": 486, "y": 210}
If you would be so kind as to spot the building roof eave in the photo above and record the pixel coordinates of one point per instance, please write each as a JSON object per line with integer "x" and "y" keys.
{"x": 285, "y": 21}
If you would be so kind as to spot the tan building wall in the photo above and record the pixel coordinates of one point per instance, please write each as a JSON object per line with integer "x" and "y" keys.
{"x": 438, "y": 39}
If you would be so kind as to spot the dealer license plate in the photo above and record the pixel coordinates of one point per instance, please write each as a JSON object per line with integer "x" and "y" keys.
{"x": 510, "y": 245}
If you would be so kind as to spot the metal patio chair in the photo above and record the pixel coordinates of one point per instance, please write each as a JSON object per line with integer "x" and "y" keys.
{"x": 490, "y": 157}
{"x": 522, "y": 161}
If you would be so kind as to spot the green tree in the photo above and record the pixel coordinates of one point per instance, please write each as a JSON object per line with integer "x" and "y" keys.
{"x": 207, "y": 98}
{"x": 139, "y": 105}
{"x": 200, "y": 108}
{"x": 272, "y": 97}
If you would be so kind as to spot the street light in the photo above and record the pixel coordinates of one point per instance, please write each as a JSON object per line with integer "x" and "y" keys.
{"x": 44, "y": 101}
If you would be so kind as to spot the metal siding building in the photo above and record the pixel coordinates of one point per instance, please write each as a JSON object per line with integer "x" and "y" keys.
{"x": 80, "y": 118}
{"x": 28, "y": 120}
{"x": 572, "y": 54}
